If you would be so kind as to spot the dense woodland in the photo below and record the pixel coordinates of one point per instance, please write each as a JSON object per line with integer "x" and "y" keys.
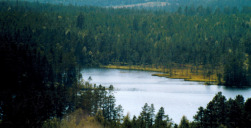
{"x": 43, "y": 48}
{"x": 211, "y": 40}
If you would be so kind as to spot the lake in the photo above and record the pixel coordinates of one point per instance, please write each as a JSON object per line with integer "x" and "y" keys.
{"x": 178, "y": 97}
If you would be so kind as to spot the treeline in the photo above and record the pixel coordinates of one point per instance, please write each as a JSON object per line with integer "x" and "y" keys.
{"x": 219, "y": 113}
{"x": 197, "y": 37}
{"x": 172, "y": 5}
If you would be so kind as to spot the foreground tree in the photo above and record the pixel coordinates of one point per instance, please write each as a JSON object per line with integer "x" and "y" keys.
{"x": 162, "y": 120}
{"x": 184, "y": 123}
{"x": 126, "y": 122}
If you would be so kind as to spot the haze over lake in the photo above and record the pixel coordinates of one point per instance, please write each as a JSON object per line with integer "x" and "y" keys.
{"x": 178, "y": 97}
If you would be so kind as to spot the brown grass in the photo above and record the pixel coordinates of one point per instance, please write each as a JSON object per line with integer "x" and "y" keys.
{"x": 76, "y": 119}
{"x": 178, "y": 72}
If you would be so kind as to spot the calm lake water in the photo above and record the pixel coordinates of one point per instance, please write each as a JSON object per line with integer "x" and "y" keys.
{"x": 135, "y": 88}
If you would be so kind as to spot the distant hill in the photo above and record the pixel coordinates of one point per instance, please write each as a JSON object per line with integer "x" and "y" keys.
{"x": 154, "y": 4}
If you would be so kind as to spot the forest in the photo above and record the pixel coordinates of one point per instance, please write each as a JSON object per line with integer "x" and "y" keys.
{"x": 44, "y": 47}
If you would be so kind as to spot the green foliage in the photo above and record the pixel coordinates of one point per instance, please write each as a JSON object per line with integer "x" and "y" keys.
{"x": 32, "y": 94}
{"x": 215, "y": 113}
{"x": 99, "y": 102}
{"x": 126, "y": 122}
{"x": 223, "y": 113}
{"x": 247, "y": 112}
{"x": 234, "y": 70}
{"x": 184, "y": 123}
{"x": 147, "y": 119}
{"x": 99, "y": 117}
{"x": 162, "y": 120}
{"x": 196, "y": 35}
{"x": 80, "y": 21}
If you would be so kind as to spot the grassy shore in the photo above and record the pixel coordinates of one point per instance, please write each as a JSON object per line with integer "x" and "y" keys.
{"x": 183, "y": 72}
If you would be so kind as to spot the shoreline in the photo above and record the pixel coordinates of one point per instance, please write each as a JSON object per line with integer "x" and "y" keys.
{"x": 174, "y": 73}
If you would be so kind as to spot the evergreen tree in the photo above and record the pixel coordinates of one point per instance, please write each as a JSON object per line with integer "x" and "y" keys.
{"x": 80, "y": 21}
{"x": 162, "y": 120}
{"x": 184, "y": 123}
{"x": 234, "y": 72}
{"x": 247, "y": 113}
{"x": 199, "y": 117}
{"x": 235, "y": 112}
{"x": 126, "y": 122}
